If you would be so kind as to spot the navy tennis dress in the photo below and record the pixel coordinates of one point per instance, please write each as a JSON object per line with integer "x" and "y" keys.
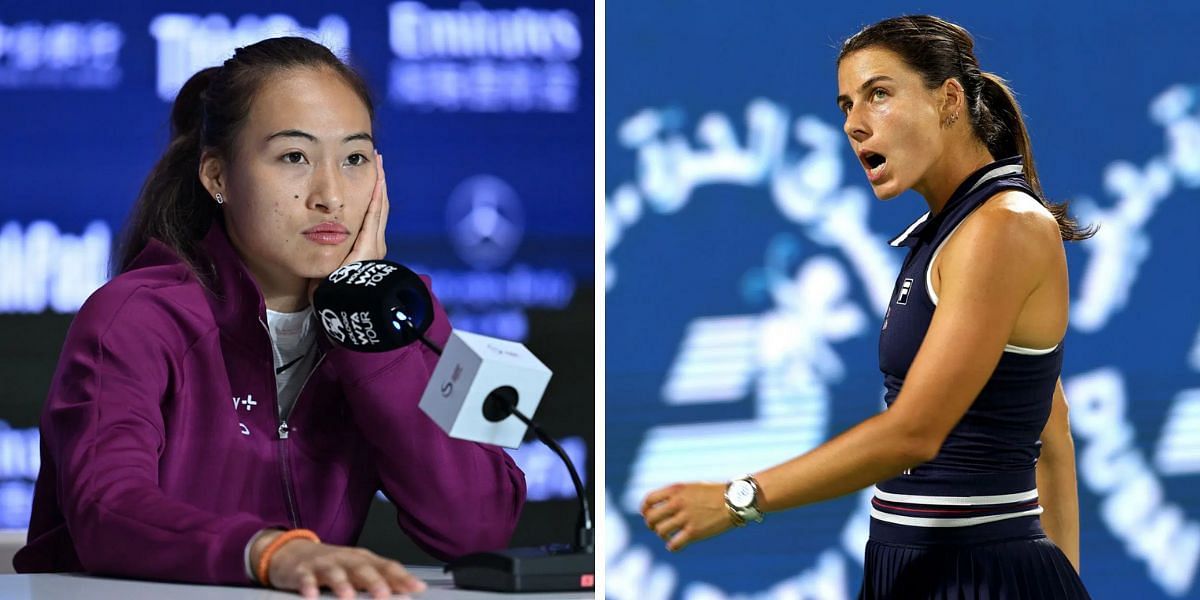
{"x": 965, "y": 525}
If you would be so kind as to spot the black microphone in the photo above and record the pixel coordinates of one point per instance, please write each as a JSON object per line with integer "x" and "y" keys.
{"x": 374, "y": 306}
{"x": 377, "y": 306}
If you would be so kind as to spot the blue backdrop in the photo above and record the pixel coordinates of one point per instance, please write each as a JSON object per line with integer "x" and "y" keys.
{"x": 485, "y": 111}
{"x": 747, "y": 271}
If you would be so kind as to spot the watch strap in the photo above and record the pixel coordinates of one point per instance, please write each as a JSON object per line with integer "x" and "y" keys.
{"x": 738, "y": 520}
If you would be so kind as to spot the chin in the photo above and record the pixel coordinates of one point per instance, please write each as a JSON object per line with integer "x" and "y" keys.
{"x": 320, "y": 268}
{"x": 887, "y": 191}
{"x": 331, "y": 256}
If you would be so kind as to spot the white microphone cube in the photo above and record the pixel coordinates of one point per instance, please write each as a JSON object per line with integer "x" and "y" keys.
{"x": 471, "y": 367}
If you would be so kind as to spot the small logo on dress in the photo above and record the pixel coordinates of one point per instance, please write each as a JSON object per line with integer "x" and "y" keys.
{"x": 904, "y": 289}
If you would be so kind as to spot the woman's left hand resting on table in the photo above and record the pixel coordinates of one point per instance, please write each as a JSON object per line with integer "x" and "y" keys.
{"x": 305, "y": 566}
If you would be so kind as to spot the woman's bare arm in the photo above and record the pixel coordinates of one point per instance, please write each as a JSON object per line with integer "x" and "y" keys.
{"x": 1057, "y": 489}
{"x": 1001, "y": 258}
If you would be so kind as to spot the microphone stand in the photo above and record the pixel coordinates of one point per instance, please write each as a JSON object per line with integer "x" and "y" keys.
{"x": 555, "y": 567}
{"x": 585, "y": 534}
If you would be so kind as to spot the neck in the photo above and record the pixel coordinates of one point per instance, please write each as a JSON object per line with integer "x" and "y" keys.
{"x": 949, "y": 172}
{"x": 281, "y": 293}
{"x": 286, "y": 302}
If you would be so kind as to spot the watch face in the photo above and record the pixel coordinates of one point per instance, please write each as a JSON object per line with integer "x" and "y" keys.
{"x": 741, "y": 493}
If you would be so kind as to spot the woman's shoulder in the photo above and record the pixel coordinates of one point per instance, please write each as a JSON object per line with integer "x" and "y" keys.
{"x": 1016, "y": 203}
{"x": 1012, "y": 221}
{"x": 1011, "y": 235}
{"x": 164, "y": 301}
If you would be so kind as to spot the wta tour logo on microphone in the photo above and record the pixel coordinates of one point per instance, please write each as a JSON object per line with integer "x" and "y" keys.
{"x": 355, "y": 327}
{"x": 362, "y": 273}
{"x": 350, "y": 327}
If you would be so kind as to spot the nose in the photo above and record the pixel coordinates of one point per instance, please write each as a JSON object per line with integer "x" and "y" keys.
{"x": 326, "y": 189}
{"x": 855, "y": 128}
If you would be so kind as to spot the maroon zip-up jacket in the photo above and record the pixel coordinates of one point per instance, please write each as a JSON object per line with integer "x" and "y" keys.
{"x": 163, "y": 454}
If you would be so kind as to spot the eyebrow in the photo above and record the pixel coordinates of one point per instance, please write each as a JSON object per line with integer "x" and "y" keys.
{"x": 362, "y": 135}
{"x": 866, "y": 84}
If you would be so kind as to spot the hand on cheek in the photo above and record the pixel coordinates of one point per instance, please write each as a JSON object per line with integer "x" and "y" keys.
{"x": 371, "y": 242}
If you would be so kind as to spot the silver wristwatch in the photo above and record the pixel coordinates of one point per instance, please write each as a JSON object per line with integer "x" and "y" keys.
{"x": 741, "y": 497}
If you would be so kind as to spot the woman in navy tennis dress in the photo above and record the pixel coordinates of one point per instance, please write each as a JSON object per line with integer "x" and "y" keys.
{"x": 972, "y": 462}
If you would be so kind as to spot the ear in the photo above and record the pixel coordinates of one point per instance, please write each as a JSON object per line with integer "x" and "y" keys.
{"x": 212, "y": 173}
{"x": 953, "y": 98}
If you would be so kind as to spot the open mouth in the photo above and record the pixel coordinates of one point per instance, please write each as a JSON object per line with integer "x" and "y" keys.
{"x": 873, "y": 162}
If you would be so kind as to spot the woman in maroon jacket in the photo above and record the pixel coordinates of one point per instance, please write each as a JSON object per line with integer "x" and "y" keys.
{"x": 199, "y": 428}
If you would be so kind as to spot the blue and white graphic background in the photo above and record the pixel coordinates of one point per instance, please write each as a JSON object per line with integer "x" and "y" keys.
{"x": 747, "y": 273}
{"x": 484, "y": 109}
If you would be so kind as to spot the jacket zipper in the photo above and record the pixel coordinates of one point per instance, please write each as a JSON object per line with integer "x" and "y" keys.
{"x": 283, "y": 436}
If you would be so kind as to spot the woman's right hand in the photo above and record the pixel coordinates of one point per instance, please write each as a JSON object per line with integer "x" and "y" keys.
{"x": 307, "y": 566}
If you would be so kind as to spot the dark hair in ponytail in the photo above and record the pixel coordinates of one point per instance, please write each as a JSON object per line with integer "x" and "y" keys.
{"x": 940, "y": 50}
{"x": 209, "y": 112}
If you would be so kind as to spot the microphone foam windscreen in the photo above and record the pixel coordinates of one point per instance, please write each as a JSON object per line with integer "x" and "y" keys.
{"x": 373, "y": 306}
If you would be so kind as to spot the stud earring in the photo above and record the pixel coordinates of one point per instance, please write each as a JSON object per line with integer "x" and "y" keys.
{"x": 220, "y": 199}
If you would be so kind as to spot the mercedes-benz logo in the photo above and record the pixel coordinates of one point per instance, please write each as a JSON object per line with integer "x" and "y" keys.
{"x": 485, "y": 220}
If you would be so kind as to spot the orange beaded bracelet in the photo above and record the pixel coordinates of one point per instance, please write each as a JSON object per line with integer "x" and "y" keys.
{"x": 264, "y": 559}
